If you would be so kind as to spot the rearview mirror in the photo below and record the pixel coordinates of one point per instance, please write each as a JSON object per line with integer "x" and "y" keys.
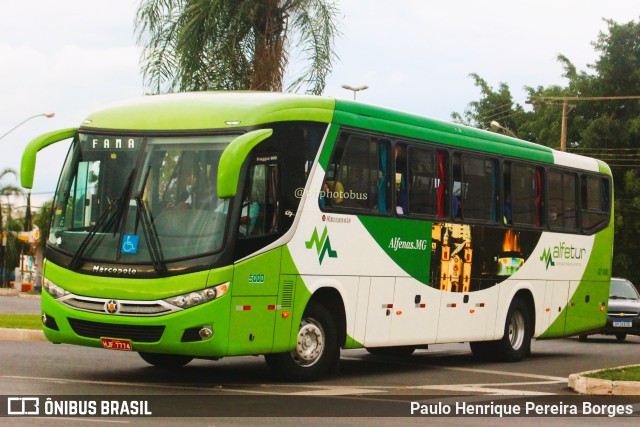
{"x": 28, "y": 165}
{"x": 232, "y": 159}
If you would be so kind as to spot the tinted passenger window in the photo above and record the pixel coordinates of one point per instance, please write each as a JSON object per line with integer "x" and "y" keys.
{"x": 562, "y": 200}
{"x": 356, "y": 179}
{"x": 522, "y": 194}
{"x": 474, "y": 188}
{"x": 595, "y": 203}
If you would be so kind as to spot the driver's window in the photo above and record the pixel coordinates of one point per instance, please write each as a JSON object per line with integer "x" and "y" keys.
{"x": 259, "y": 214}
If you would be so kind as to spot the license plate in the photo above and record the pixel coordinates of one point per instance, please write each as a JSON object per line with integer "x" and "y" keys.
{"x": 622, "y": 324}
{"x": 115, "y": 344}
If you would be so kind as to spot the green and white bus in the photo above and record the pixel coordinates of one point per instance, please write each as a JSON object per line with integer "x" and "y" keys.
{"x": 208, "y": 225}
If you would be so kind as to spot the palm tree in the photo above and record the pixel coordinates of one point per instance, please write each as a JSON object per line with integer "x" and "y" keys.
{"x": 7, "y": 191}
{"x": 235, "y": 44}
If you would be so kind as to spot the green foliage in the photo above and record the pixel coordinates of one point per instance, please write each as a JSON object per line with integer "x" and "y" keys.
{"x": 43, "y": 221}
{"x": 627, "y": 373}
{"x": 607, "y": 129}
{"x": 10, "y": 253}
{"x": 192, "y": 45}
{"x": 20, "y": 321}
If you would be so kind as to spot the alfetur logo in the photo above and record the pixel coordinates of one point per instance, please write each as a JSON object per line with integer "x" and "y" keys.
{"x": 323, "y": 245}
{"x": 564, "y": 253}
{"x": 547, "y": 258}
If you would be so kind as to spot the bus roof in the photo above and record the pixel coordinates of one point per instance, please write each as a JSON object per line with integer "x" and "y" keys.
{"x": 210, "y": 110}
{"x": 228, "y": 110}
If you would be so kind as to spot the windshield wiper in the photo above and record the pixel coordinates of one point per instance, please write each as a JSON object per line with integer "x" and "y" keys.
{"x": 94, "y": 230}
{"x": 75, "y": 261}
{"x": 618, "y": 297}
{"x": 149, "y": 230}
{"x": 151, "y": 237}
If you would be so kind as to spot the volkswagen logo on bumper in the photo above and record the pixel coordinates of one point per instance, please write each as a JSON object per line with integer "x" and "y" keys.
{"x": 111, "y": 306}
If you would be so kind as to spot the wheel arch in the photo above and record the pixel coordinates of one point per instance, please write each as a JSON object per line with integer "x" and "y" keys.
{"x": 526, "y": 296}
{"x": 333, "y": 301}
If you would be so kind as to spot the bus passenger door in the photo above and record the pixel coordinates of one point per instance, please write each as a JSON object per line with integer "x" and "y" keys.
{"x": 380, "y": 311}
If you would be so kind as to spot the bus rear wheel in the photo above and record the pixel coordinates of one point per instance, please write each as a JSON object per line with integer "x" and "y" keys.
{"x": 317, "y": 351}
{"x": 515, "y": 344}
{"x": 165, "y": 361}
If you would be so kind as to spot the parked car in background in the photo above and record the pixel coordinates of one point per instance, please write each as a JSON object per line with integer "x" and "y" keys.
{"x": 623, "y": 315}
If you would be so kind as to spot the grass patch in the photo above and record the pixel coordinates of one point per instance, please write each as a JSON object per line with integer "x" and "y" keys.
{"x": 631, "y": 373}
{"x": 20, "y": 321}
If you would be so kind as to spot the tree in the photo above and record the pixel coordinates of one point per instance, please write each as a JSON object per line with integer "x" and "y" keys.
{"x": 235, "y": 44}
{"x": 608, "y": 130}
{"x": 7, "y": 191}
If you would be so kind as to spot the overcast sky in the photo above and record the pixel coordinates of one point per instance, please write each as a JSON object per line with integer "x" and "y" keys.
{"x": 74, "y": 56}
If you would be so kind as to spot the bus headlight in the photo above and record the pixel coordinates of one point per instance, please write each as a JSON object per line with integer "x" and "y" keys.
{"x": 192, "y": 299}
{"x": 53, "y": 289}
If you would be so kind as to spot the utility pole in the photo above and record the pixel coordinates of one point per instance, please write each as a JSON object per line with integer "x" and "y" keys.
{"x": 566, "y": 106}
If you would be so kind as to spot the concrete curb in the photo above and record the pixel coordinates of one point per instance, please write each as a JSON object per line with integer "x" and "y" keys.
{"x": 10, "y": 334}
{"x": 595, "y": 386}
{"x": 5, "y": 292}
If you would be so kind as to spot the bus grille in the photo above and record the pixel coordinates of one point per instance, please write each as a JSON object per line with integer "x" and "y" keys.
{"x": 137, "y": 333}
{"x": 127, "y": 307}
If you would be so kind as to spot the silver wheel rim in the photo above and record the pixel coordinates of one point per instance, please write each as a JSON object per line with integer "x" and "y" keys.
{"x": 516, "y": 330}
{"x": 309, "y": 344}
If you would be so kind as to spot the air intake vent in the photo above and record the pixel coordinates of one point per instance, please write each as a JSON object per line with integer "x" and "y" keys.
{"x": 109, "y": 330}
{"x": 286, "y": 296}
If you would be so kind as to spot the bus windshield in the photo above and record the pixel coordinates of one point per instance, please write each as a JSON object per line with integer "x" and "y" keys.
{"x": 132, "y": 199}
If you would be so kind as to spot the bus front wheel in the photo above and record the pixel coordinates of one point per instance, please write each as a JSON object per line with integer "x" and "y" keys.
{"x": 317, "y": 351}
{"x": 165, "y": 361}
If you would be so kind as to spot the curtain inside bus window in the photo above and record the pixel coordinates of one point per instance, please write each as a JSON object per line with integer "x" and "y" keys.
{"x": 382, "y": 185}
{"x": 442, "y": 212}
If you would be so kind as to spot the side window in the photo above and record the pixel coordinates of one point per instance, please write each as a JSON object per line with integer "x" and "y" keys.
{"x": 595, "y": 203}
{"x": 423, "y": 181}
{"x": 562, "y": 200}
{"x": 356, "y": 179}
{"x": 522, "y": 194}
{"x": 474, "y": 188}
{"x": 259, "y": 212}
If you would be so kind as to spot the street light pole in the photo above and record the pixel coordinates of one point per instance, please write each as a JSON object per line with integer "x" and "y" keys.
{"x": 47, "y": 115}
{"x": 355, "y": 89}
{"x": 495, "y": 125}
{"x": 565, "y": 107}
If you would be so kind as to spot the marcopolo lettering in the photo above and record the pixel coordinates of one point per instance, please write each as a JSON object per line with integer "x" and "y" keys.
{"x": 114, "y": 270}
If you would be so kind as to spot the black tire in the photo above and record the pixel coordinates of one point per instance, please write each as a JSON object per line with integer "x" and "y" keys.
{"x": 482, "y": 350}
{"x": 317, "y": 351}
{"x": 582, "y": 338}
{"x": 621, "y": 337}
{"x": 165, "y": 361}
{"x": 397, "y": 351}
{"x": 516, "y": 342}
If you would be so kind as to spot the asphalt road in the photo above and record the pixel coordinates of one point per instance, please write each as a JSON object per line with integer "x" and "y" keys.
{"x": 19, "y": 305}
{"x": 439, "y": 375}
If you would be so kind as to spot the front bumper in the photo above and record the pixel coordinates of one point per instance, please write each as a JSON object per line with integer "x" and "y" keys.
{"x": 622, "y": 325}
{"x": 174, "y": 333}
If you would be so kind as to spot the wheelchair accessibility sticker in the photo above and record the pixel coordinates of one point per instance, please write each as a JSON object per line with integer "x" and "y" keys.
{"x": 130, "y": 244}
